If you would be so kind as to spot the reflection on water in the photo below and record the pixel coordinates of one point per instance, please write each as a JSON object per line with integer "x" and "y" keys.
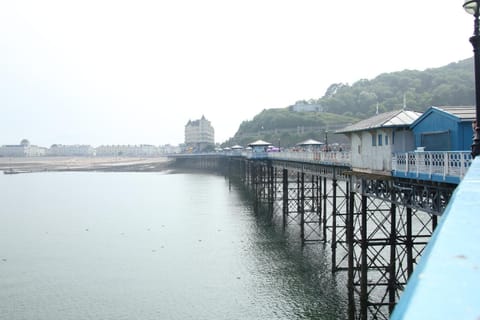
{"x": 152, "y": 246}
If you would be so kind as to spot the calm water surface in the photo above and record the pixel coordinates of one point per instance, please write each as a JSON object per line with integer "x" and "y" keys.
{"x": 152, "y": 246}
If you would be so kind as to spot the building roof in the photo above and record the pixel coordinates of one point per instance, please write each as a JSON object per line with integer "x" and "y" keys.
{"x": 458, "y": 113}
{"x": 310, "y": 142}
{"x": 464, "y": 113}
{"x": 259, "y": 143}
{"x": 397, "y": 118}
{"x": 197, "y": 123}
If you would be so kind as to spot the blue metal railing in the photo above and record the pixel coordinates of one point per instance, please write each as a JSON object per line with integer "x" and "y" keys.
{"x": 446, "y": 282}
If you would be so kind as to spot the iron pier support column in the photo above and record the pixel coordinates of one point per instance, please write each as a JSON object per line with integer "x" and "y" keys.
{"x": 334, "y": 225}
{"x": 409, "y": 242}
{"x": 271, "y": 186}
{"x": 351, "y": 253}
{"x": 318, "y": 203}
{"x": 285, "y": 197}
{"x": 324, "y": 206}
{"x": 301, "y": 206}
{"x": 392, "y": 281}
{"x": 255, "y": 185}
{"x": 364, "y": 257}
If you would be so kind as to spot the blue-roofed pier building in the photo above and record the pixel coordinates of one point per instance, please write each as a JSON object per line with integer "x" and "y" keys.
{"x": 442, "y": 136}
{"x": 444, "y": 128}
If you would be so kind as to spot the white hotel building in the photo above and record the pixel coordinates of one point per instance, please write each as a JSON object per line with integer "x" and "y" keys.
{"x": 199, "y": 135}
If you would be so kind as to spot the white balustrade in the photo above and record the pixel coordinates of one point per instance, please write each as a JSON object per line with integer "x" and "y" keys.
{"x": 415, "y": 163}
{"x": 331, "y": 157}
{"x": 450, "y": 163}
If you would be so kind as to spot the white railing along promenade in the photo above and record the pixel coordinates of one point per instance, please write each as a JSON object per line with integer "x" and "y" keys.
{"x": 422, "y": 164}
{"x": 445, "y": 164}
{"x": 448, "y": 272}
{"x": 331, "y": 157}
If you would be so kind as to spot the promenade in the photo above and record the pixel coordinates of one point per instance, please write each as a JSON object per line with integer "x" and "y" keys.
{"x": 34, "y": 164}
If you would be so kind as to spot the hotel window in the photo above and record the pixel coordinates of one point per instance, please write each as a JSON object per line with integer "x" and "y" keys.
{"x": 374, "y": 140}
{"x": 386, "y": 140}
{"x": 380, "y": 140}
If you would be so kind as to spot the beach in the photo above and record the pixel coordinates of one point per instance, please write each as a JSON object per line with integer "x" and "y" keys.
{"x": 120, "y": 164}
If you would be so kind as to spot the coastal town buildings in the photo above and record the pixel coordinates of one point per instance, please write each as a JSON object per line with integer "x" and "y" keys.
{"x": 143, "y": 150}
{"x": 169, "y": 149}
{"x": 24, "y": 149}
{"x": 199, "y": 135}
{"x": 80, "y": 150}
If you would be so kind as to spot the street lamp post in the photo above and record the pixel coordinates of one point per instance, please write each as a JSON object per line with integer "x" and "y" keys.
{"x": 473, "y": 7}
{"x": 326, "y": 138}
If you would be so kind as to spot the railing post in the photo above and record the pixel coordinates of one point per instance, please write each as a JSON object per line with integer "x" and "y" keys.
{"x": 407, "y": 164}
{"x": 431, "y": 164}
{"x": 445, "y": 164}
{"x": 417, "y": 165}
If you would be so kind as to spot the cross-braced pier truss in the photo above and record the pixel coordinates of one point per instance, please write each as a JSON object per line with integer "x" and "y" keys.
{"x": 376, "y": 226}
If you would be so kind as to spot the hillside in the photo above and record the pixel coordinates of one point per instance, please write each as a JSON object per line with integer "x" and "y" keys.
{"x": 286, "y": 127}
{"x": 343, "y": 104}
{"x": 452, "y": 84}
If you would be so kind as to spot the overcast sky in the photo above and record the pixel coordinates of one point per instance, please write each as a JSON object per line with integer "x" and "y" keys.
{"x": 131, "y": 72}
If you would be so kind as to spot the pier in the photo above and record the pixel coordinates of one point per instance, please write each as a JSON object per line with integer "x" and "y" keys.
{"x": 376, "y": 226}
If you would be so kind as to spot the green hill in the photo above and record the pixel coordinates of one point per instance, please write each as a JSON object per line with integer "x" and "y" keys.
{"x": 286, "y": 127}
{"x": 343, "y": 104}
{"x": 452, "y": 84}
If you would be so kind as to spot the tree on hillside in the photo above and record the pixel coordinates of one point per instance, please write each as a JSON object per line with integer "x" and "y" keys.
{"x": 449, "y": 85}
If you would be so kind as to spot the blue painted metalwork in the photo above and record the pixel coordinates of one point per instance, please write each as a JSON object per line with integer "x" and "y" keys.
{"x": 427, "y": 177}
{"x": 445, "y": 284}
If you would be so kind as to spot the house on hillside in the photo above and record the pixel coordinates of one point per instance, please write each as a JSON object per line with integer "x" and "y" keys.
{"x": 374, "y": 140}
{"x": 444, "y": 128}
{"x": 301, "y": 106}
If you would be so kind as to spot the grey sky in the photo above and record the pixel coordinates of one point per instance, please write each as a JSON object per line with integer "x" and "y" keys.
{"x": 131, "y": 72}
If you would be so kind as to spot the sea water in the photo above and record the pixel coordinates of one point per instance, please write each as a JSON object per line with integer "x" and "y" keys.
{"x": 93, "y": 245}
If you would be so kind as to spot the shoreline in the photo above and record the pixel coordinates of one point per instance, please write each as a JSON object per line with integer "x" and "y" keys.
{"x": 107, "y": 164}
